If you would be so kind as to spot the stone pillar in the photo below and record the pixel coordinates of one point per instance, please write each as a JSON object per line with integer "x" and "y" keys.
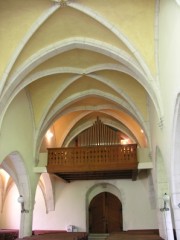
{"x": 161, "y": 225}
{"x": 165, "y": 221}
{"x": 168, "y": 225}
{"x": 26, "y": 217}
{"x": 176, "y": 210}
{"x": 26, "y": 224}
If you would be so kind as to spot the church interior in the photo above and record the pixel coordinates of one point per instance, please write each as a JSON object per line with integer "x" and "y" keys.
{"x": 90, "y": 117}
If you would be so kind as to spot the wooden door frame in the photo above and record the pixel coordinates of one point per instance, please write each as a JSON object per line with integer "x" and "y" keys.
{"x": 99, "y": 188}
{"x": 109, "y": 215}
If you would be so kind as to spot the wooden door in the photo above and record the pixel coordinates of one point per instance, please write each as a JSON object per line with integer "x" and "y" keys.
{"x": 105, "y": 214}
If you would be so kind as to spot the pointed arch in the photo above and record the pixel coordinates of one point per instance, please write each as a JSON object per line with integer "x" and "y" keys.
{"x": 14, "y": 165}
{"x": 116, "y": 32}
{"x": 24, "y": 41}
{"x": 175, "y": 171}
{"x": 54, "y": 114}
{"x": 90, "y": 123}
{"x": 97, "y": 46}
{"x": 46, "y": 186}
{"x": 103, "y": 187}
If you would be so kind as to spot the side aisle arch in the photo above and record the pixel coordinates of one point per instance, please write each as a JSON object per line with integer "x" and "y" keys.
{"x": 175, "y": 153}
{"x": 46, "y": 186}
{"x": 13, "y": 164}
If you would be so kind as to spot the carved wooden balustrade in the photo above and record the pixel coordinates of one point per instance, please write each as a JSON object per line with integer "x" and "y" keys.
{"x": 92, "y": 159}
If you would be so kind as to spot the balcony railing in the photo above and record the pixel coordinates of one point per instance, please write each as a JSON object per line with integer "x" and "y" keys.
{"x": 93, "y": 158}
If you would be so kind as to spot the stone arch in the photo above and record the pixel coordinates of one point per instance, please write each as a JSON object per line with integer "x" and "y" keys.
{"x": 26, "y": 38}
{"x": 90, "y": 12}
{"x": 6, "y": 183}
{"x": 1, "y": 192}
{"x": 46, "y": 186}
{"x": 99, "y": 188}
{"x": 127, "y": 104}
{"x": 54, "y": 114}
{"x": 14, "y": 165}
{"x": 89, "y": 123}
{"x": 17, "y": 79}
{"x": 176, "y": 149}
{"x": 175, "y": 156}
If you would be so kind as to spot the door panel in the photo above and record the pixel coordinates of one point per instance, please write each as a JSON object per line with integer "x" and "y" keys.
{"x": 96, "y": 214}
{"x": 114, "y": 213}
{"x": 105, "y": 214}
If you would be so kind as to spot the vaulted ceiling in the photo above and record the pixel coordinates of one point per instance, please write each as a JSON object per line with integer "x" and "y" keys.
{"x": 81, "y": 59}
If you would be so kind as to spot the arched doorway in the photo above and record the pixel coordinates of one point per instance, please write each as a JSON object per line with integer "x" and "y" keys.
{"x": 105, "y": 214}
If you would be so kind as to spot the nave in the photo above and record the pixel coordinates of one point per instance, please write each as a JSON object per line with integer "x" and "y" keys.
{"x": 73, "y": 68}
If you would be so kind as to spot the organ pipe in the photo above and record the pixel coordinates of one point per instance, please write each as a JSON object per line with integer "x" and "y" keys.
{"x": 98, "y": 134}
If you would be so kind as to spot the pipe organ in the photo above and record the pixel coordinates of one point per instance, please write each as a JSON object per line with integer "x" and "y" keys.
{"x": 98, "y": 134}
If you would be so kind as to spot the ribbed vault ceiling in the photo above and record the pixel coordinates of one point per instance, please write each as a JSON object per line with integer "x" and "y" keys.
{"x": 80, "y": 61}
